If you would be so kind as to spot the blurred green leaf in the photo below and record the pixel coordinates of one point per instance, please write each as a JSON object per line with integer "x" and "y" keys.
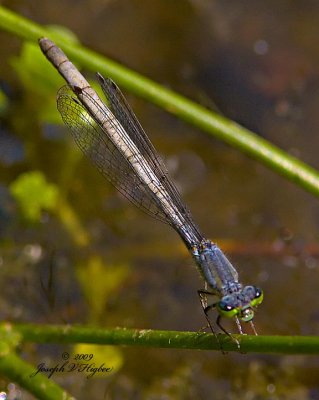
{"x": 103, "y": 280}
{"x": 72, "y": 222}
{"x": 33, "y": 194}
{"x": 102, "y": 356}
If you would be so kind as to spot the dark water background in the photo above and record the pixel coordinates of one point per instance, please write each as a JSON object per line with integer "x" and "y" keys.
{"x": 257, "y": 63}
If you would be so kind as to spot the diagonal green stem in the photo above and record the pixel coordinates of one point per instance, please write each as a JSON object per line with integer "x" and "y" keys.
{"x": 210, "y": 122}
{"x": 21, "y": 372}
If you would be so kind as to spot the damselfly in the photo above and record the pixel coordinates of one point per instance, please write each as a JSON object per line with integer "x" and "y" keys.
{"x": 113, "y": 139}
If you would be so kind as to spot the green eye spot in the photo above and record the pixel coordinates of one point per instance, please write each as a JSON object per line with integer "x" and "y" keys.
{"x": 259, "y": 296}
{"x": 254, "y": 294}
{"x": 226, "y": 308}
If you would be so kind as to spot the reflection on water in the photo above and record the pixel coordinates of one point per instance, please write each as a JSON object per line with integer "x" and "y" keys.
{"x": 258, "y": 66}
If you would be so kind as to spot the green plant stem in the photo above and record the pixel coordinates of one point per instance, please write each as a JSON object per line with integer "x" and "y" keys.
{"x": 214, "y": 124}
{"x": 14, "y": 368}
{"x": 168, "y": 339}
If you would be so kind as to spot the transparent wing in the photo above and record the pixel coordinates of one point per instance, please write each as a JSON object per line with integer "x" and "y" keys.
{"x": 94, "y": 141}
{"x": 123, "y": 112}
{"x": 96, "y": 145}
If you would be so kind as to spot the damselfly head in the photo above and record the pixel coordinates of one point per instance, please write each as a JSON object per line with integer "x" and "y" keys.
{"x": 241, "y": 304}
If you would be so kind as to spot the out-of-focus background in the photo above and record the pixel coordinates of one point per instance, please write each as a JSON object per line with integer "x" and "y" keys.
{"x": 73, "y": 250}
